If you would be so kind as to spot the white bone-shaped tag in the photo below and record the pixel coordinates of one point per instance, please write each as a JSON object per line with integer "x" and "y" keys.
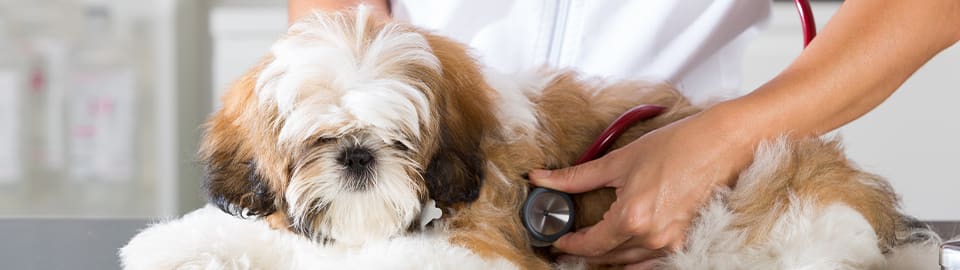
{"x": 429, "y": 212}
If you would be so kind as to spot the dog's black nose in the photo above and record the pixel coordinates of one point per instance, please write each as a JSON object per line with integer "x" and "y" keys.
{"x": 356, "y": 158}
{"x": 358, "y": 163}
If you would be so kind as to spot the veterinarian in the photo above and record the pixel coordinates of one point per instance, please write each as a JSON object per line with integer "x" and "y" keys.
{"x": 865, "y": 52}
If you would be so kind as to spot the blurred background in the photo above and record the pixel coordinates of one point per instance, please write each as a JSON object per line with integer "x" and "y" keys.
{"x": 101, "y": 103}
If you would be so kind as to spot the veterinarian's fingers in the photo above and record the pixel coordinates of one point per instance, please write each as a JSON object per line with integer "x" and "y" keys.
{"x": 625, "y": 256}
{"x": 636, "y": 243}
{"x": 592, "y": 241}
{"x": 671, "y": 238}
{"x": 645, "y": 265}
{"x": 581, "y": 178}
{"x": 679, "y": 237}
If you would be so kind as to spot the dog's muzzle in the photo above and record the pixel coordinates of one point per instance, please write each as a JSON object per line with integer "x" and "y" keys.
{"x": 358, "y": 163}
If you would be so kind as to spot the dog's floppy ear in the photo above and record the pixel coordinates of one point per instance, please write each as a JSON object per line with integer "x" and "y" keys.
{"x": 231, "y": 180}
{"x": 455, "y": 172}
{"x": 235, "y": 186}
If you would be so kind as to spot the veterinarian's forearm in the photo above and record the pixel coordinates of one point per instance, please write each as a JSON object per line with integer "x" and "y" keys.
{"x": 861, "y": 57}
{"x": 298, "y": 8}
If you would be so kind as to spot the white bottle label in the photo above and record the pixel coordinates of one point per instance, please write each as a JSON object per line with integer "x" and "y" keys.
{"x": 10, "y": 128}
{"x": 103, "y": 125}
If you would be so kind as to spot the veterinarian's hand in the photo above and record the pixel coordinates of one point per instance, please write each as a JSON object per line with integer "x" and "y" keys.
{"x": 664, "y": 177}
{"x": 661, "y": 180}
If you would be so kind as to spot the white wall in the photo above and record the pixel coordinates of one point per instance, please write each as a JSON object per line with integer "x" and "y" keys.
{"x": 911, "y": 139}
{"x": 241, "y": 35}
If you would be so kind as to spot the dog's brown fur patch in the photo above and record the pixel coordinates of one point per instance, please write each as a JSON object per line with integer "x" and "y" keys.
{"x": 232, "y": 180}
{"x": 817, "y": 171}
{"x": 570, "y": 118}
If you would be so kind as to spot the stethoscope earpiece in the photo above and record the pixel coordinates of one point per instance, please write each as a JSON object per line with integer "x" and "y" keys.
{"x": 547, "y": 214}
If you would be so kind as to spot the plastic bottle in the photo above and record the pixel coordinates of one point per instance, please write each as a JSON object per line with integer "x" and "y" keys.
{"x": 45, "y": 29}
{"x": 102, "y": 104}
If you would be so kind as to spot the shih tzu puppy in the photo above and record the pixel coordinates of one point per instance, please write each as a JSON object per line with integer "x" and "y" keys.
{"x": 352, "y": 124}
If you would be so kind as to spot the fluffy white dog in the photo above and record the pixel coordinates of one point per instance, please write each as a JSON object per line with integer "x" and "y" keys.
{"x": 342, "y": 134}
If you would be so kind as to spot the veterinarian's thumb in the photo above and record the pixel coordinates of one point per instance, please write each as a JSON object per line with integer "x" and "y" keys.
{"x": 581, "y": 178}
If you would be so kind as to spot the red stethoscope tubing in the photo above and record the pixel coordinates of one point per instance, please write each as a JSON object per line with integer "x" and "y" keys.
{"x": 645, "y": 112}
{"x": 806, "y": 21}
{"x": 617, "y": 128}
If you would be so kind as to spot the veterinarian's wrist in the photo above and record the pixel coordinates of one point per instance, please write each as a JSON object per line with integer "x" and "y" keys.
{"x": 731, "y": 135}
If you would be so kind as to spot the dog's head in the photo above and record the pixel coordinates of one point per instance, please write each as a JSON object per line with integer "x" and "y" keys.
{"x": 347, "y": 127}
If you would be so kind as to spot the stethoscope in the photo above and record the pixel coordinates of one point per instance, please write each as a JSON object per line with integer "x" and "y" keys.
{"x": 549, "y": 214}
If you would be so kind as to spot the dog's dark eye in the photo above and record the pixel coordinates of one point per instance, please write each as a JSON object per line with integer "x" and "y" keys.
{"x": 324, "y": 140}
{"x": 400, "y": 146}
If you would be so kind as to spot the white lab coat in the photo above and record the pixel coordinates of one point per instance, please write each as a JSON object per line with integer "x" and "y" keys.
{"x": 695, "y": 45}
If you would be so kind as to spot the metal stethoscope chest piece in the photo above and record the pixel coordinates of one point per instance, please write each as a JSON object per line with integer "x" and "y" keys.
{"x": 547, "y": 215}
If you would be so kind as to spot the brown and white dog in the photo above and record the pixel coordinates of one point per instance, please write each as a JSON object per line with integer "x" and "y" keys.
{"x": 351, "y": 124}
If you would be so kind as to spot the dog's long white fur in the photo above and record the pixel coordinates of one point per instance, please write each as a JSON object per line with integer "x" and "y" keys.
{"x": 328, "y": 75}
{"x": 326, "y": 56}
{"x": 210, "y": 239}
